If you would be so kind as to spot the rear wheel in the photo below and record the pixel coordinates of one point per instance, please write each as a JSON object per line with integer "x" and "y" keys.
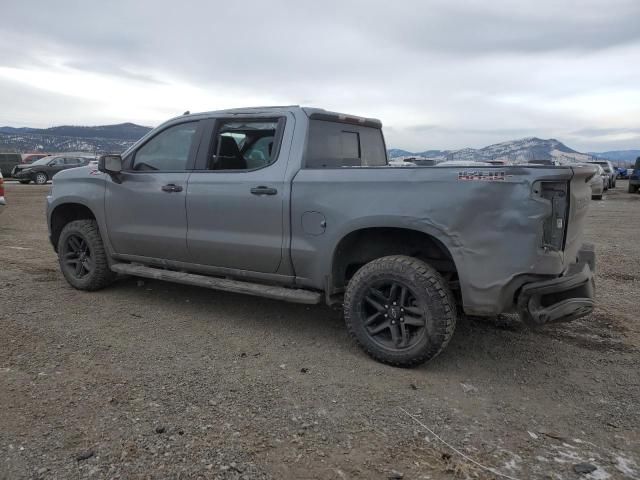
{"x": 82, "y": 256}
{"x": 41, "y": 178}
{"x": 633, "y": 188}
{"x": 400, "y": 310}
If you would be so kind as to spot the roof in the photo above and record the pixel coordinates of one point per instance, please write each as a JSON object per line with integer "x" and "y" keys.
{"x": 311, "y": 112}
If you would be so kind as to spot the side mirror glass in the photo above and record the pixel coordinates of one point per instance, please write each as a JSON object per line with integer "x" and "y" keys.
{"x": 110, "y": 164}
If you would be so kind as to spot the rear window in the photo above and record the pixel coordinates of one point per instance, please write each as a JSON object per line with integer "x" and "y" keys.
{"x": 335, "y": 145}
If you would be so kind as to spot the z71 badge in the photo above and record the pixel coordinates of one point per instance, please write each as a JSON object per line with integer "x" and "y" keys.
{"x": 482, "y": 176}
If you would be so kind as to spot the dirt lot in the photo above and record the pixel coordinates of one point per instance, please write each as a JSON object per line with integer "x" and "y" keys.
{"x": 155, "y": 380}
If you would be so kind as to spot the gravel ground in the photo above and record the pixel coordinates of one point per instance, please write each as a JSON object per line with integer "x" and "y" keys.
{"x": 156, "y": 380}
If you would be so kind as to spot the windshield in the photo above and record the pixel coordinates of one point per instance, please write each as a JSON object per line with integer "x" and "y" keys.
{"x": 42, "y": 161}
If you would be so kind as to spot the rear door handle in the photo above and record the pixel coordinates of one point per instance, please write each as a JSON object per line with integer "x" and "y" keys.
{"x": 171, "y": 187}
{"x": 264, "y": 191}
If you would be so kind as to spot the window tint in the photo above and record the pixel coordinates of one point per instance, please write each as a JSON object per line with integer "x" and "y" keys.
{"x": 72, "y": 161}
{"x": 168, "y": 150}
{"x": 243, "y": 145}
{"x": 334, "y": 145}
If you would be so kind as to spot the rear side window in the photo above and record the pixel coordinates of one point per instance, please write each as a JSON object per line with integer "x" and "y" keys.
{"x": 335, "y": 145}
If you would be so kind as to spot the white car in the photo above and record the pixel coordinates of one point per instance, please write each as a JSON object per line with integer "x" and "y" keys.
{"x": 598, "y": 182}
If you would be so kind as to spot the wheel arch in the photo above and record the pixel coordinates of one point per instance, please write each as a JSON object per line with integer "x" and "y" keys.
{"x": 64, "y": 213}
{"x": 363, "y": 245}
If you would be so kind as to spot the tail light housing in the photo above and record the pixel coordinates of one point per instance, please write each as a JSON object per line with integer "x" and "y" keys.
{"x": 1, "y": 187}
{"x": 555, "y": 225}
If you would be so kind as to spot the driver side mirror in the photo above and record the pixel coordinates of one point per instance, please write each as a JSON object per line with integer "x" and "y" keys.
{"x": 111, "y": 165}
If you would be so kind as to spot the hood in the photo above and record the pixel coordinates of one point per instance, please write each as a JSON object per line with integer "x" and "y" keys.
{"x": 77, "y": 173}
{"x": 22, "y": 166}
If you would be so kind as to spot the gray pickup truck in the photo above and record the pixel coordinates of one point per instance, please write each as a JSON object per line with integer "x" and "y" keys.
{"x": 300, "y": 204}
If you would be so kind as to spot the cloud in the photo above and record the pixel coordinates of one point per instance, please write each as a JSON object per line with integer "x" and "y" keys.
{"x": 440, "y": 74}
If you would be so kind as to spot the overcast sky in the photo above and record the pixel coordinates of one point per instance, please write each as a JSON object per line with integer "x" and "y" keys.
{"x": 439, "y": 74}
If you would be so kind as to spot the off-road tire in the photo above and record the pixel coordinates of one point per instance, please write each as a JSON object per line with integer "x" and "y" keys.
{"x": 430, "y": 291}
{"x": 101, "y": 275}
{"x": 40, "y": 178}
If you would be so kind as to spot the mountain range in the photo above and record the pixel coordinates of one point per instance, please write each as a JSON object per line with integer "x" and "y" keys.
{"x": 71, "y": 138}
{"x": 117, "y": 138}
{"x": 515, "y": 151}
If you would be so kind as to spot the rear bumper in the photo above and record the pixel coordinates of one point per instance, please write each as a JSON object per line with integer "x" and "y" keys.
{"x": 563, "y": 298}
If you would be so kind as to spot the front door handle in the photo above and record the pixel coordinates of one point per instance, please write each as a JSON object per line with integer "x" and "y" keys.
{"x": 264, "y": 191}
{"x": 171, "y": 187}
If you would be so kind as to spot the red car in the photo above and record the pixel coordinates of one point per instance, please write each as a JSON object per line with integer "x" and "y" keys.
{"x": 32, "y": 157}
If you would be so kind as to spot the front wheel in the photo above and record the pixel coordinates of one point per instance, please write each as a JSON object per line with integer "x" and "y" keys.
{"x": 82, "y": 257}
{"x": 41, "y": 178}
{"x": 400, "y": 310}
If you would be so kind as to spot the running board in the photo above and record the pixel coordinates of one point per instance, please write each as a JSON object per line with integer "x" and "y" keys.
{"x": 258, "y": 289}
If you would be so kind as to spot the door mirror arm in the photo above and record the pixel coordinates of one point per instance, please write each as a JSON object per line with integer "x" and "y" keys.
{"x": 112, "y": 166}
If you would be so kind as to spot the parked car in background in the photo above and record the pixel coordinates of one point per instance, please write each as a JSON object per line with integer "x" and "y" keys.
{"x": 597, "y": 183}
{"x": 32, "y": 157}
{"x": 44, "y": 169}
{"x": 461, "y": 163}
{"x": 7, "y": 162}
{"x": 609, "y": 170}
{"x": 634, "y": 177}
{"x": 3, "y": 202}
{"x": 394, "y": 162}
{"x": 622, "y": 173}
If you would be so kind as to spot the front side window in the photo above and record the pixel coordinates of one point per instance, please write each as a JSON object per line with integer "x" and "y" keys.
{"x": 243, "y": 145}
{"x": 57, "y": 162}
{"x": 168, "y": 150}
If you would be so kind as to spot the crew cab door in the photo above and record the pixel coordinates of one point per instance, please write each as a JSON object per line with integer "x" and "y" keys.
{"x": 237, "y": 200}
{"x": 145, "y": 207}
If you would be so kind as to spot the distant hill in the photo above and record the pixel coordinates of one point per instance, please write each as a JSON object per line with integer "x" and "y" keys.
{"x": 103, "y": 138}
{"x": 515, "y": 151}
{"x": 398, "y": 152}
{"x": 628, "y": 156}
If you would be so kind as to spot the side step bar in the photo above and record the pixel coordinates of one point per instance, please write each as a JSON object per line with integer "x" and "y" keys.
{"x": 215, "y": 283}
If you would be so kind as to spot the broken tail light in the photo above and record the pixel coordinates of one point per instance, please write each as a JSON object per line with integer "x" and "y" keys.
{"x": 555, "y": 225}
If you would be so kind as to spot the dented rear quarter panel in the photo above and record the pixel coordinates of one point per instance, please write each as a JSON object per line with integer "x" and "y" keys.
{"x": 492, "y": 229}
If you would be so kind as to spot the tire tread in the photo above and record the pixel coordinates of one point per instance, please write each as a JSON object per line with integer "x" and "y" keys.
{"x": 102, "y": 276}
{"x": 411, "y": 265}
